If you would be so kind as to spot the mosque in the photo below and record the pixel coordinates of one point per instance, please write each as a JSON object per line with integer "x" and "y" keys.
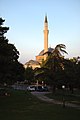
{"x": 40, "y": 57}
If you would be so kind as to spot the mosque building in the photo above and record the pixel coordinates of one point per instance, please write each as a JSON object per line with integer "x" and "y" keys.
{"x": 41, "y": 56}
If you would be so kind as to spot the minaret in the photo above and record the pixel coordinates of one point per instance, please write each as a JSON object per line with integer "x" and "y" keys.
{"x": 46, "y": 31}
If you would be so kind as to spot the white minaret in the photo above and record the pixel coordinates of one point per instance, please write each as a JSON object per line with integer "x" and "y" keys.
{"x": 46, "y": 31}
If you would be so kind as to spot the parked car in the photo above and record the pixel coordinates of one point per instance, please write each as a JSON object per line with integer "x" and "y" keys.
{"x": 31, "y": 88}
{"x": 41, "y": 88}
{"x": 45, "y": 88}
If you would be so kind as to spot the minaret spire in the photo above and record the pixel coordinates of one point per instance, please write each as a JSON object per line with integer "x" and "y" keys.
{"x": 46, "y": 31}
{"x": 45, "y": 18}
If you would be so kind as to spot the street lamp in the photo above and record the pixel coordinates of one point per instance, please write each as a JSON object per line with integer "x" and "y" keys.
{"x": 63, "y": 87}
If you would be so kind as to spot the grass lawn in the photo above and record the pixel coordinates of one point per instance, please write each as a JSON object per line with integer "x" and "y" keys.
{"x": 59, "y": 95}
{"x": 21, "y": 105}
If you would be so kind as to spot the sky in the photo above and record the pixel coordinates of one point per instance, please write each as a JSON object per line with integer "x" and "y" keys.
{"x": 25, "y": 18}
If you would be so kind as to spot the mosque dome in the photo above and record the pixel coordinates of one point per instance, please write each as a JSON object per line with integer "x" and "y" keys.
{"x": 42, "y": 52}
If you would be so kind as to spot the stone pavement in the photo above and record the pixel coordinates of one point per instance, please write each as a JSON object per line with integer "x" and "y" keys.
{"x": 41, "y": 96}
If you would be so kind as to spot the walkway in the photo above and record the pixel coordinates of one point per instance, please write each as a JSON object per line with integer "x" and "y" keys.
{"x": 41, "y": 96}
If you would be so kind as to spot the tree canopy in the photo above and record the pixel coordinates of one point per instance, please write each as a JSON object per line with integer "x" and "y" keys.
{"x": 58, "y": 71}
{"x": 10, "y": 69}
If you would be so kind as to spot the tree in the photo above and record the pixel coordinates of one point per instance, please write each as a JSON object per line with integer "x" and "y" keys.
{"x": 76, "y": 71}
{"x": 70, "y": 70}
{"x": 78, "y": 75}
{"x": 42, "y": 74}
{"x": 55, "y": 57}
{"x": 29, "y": 75}
{"x": 52, "y": 67}
{"x": 8, "y": 58}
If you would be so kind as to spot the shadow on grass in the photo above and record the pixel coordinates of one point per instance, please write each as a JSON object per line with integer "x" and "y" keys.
{"x": 21, "y": 105}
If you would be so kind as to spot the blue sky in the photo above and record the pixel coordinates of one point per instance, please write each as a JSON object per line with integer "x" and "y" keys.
{"x": 26, "y": 21}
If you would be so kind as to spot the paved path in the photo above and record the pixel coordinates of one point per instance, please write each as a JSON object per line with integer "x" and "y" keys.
{"x": 41, "y": 96}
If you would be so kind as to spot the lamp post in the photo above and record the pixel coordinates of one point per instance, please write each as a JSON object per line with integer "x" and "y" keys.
{"x": 37, "y": 82}
{"x": 63, "y": 87}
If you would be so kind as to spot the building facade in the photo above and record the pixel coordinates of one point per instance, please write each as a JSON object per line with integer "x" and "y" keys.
{"x": 41, "y": 56}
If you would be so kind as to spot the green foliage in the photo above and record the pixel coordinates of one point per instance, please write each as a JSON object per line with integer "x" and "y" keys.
{"x": 53, "y": 65}
{"x": 29, "y": 75}
{"x": 3, "y": 29}
{"x": 42, "y": 74}
{"x": 58, "y": 71}
{"x": 10, "y": 68}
